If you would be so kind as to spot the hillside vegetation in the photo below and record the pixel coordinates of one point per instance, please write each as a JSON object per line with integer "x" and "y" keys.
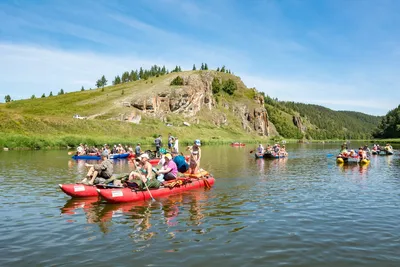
{"x": 320, "y": 122}
{"x": 48, "y": 121}
{"x": 389, "y": 126}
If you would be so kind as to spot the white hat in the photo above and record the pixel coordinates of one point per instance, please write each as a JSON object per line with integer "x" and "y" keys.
{"x": 144, "y": 155}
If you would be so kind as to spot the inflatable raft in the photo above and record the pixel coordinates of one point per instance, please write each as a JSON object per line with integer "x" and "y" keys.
{"x": 129, "y": 195}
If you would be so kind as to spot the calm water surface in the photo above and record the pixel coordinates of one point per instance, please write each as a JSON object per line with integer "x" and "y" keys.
{"x": 300, "y": 211}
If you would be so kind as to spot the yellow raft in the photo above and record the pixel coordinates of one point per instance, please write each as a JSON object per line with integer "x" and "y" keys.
{"x": 364, "y": 161}
{"x": 339, "y": 160}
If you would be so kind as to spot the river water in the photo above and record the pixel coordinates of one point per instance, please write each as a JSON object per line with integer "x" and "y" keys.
{"x": 301, "y": 211}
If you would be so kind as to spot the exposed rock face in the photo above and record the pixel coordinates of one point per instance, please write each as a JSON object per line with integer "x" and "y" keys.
{"x": 188, "y": 99}
{"x": 299, "y": 124}
{"x": 196, "y": 95}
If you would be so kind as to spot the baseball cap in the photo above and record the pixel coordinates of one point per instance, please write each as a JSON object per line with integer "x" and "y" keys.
{"x": 168, "y": 156}
{"x": 197, "y": 142}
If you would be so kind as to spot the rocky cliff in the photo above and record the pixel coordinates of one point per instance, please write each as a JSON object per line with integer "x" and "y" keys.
{"x": 195, "y": 96}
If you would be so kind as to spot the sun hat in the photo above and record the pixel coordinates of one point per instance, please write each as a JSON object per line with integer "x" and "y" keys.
{"x": 168, "y": 156}
{"x": 144, "y": 155}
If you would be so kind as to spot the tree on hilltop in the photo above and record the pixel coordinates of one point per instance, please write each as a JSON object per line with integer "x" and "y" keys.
{"x": 43, "y": 96}
{"x": 82, "y": 89}
{"x": 205, "y": 66}
{"x": 223, "y": 69}
{"x": 194, "y": 67}
{"x": 117, "y": 80}
{"x": 51, "y": 93}
{"x": 202, "y": 66}
{"x": 7, "y": 98}
{"x": 218, "y": 69}
{"x": 33, "y": 97}
{"x": 61, "y": 92}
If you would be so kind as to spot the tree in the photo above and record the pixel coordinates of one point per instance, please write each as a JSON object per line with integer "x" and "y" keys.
{"x": 218, "y": 69}
{"x": 223, "y": 69}
{"x": 202, "y": 66}
{"x": 43, "y": 96}
{"x": 104, "y": 81}
{"x": 177, "y": 81}
{"x": 117, "y": 80}
{"x": 141, "y": 73}
{"x": 125, "y": 77}
{"x": 61, "y": 92}
{"x": 7, "y": 98}
{"x": 194, "y": 67}
{"x": 229, "y": 87}
{"x": 33, "y": 97}
{"x": 51, "y": 93}
{"x": 98, "y": 83}
{"x": 205, "y": 66}
{"x": 163, "y": 70}
{"x": 82, "y": 89}
{"x": 216, "y": 86}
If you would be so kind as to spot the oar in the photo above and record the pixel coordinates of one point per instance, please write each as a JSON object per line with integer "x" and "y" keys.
{"x": 329, "y": 155}
{"x": 148, "y": 190}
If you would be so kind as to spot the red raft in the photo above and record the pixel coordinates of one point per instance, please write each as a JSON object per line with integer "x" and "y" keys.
{"x": 129, "y": 195}
{"x": 238, "y": 144}
{"x": 79, "y": 190}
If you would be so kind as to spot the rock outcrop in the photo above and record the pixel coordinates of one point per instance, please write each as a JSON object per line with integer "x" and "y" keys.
{"x": 196, "y": 95}
{"x": 299, "y": 124}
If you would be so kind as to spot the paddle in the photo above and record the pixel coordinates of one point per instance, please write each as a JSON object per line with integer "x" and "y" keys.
{"x": 329, "y": 155}
{"x": 148, "y": 190}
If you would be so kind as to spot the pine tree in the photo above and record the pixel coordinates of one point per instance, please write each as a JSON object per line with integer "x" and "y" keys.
{"x": 194, "y": 67}
{"x": 131, "y": 76}
{"x": 218, "y": 69}
{"x": 51, "y": 93}
{"x": 141, "y": 73}
{"x": 179, "y": 68}
{"x": 82, "y": 89}
{"x": 61, "y": 92}
{"x": 103, "y": 81}
{"x": 117, "y": 80}
{"x": 43, "y": 96}
{"x": 223, "y": 69}
{"x": 163, "y": 70}
{"x": 205, "y": 66}
{"x": 202, "y": 66}
{"x": 215, "y": 86}
{"x": 7, "y": 98}
{"x": 125, "y": 77}
{"x": 33, "y": 97}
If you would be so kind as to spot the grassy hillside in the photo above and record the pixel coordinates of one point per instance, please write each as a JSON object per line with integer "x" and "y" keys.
{"x": 321, "y": 122}
{"x": 49, "y": 122}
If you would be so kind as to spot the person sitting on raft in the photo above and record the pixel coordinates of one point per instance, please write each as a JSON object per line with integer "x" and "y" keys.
{"x": 282, "y": 151}
{"x": 169, "y": 170}
{"x": 97, "y": 172}
{"x": 143, "y": 173}
{"x": 388, "y": 147}
{"x": 180, "y": 162}
{"x": 80, "y": 150}
{"x": 195, "y": 156}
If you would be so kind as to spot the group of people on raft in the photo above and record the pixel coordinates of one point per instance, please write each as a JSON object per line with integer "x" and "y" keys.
{"x": 376, "y": 149}
{"x": 84, "y": 149}
{"x": 276, "y": 149}
{"x": 363, "y": 152}
{"x": 144, "y": 174}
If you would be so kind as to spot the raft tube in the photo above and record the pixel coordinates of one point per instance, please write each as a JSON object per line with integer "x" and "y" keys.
{"x": 364, "y": 161}
{"x": 119, "y": 156}
{"x": 129, "y": 195}
{"x": 86, "y": 157}
{"x": 79, "y": 190}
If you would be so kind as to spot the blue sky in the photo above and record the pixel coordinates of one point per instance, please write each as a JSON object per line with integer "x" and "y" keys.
{"x": 341, "y": 54}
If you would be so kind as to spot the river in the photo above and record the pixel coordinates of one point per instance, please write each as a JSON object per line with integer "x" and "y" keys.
{"x": 301, "y": 211}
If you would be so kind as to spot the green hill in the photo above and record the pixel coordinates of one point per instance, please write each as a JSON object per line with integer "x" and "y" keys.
{"x": 320, "y": 122}
{"x": 216, "y": 105}
{"x": 49, "y": 122}
{"x": 389, "y": 126}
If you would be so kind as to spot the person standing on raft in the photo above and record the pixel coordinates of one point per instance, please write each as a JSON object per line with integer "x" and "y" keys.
{"x": 195, "y": 156}
{"x": 97, "y": 172}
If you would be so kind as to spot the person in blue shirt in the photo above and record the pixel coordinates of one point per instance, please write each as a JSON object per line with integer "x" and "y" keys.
{"x": 138, "y": 150}
{"x": 180, "y": 162}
